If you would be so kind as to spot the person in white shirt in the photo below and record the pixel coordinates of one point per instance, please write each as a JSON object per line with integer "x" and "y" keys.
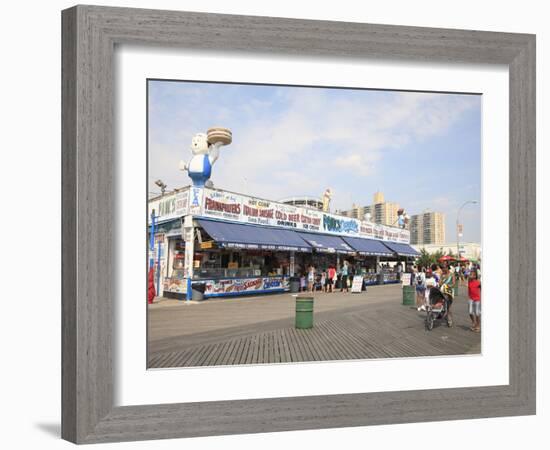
{"x": 429, "y": 282}
{"x": 419, "y": 280}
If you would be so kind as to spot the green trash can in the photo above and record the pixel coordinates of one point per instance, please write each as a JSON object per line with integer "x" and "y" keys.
{"x": 409, "y": 295}
{"x": 304, "y": 312}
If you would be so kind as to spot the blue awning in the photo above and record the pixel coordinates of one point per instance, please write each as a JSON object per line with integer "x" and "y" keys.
{"x": 236, "y": 235}
{"x": 368, "y": 246}
{"x": 172, "y": 226}
{"x": 401, "y": 249}
{"x": 326, "y": 243}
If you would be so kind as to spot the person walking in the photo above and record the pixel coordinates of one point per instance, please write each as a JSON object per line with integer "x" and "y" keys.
{"x": 310, "y": 278}
{"x": 420, "y": 285}
{"x": 323, "y": 286}
{"x": 303, "y": 283}
{"x": 344, "y": 281}
{"x": 436, "y": 270}
{"x": 446, "y": 285}
{"x": 398, "y": 269}
{"x": 474, "y": 302}
{"x": 331, "y": 278}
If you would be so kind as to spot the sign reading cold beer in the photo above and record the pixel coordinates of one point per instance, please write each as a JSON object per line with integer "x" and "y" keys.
{"x": 226, "y": 205}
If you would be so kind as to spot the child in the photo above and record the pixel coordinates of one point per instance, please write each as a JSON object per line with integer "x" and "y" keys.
{"x": 447, "y": 283}
{"x": 331, "y": 277}
{"x": 311, "y": 279}
{"x": 344, "y": 272}
{"x": 474, "y": 304}
{"x": 302, "y": 283}
{"x": 324, "y": 282}
{"x": 420, "y": 283}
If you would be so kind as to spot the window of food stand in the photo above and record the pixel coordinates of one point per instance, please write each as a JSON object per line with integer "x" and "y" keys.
{"x": 228, "y": 263}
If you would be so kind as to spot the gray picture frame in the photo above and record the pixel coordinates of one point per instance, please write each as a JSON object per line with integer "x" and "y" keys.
{"x": 90, "y": 34}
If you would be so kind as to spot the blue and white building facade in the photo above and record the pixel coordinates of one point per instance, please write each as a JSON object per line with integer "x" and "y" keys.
{"x": 236, "y": 244}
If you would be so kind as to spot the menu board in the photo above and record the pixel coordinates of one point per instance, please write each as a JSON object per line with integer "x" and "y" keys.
{"x": 357, "y": 284}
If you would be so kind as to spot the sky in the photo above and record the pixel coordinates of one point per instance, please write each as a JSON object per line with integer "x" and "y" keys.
{"x": 422, "y": 150}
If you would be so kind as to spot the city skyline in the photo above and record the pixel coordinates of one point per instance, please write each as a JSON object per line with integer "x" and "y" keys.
{"x": 354, "y": 141}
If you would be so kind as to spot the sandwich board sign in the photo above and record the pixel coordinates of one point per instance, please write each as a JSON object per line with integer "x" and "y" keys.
{"x": 357, "y": 284}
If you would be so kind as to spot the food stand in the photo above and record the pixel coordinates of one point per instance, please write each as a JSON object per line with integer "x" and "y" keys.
{"x": 234, "y": 244}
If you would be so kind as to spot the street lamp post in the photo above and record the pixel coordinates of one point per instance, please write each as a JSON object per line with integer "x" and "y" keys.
{"x": 473, "y": 202}
{"x": 162, "y": 186}
{"x": 152, "y": 240}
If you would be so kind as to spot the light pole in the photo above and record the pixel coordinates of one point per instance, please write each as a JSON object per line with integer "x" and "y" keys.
{"x": 152, "y": 240}
{"x": 162, "y": 186}
{"x": 473, "y": 202}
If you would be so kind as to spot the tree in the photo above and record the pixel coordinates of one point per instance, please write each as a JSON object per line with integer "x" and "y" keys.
{"x": 437, "y": 255}
{"x": 425, "y": 259}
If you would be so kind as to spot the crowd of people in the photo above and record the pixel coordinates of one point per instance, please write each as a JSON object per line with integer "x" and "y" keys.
{"x": 328, "y": 280}
{"x": 446, "y": 278}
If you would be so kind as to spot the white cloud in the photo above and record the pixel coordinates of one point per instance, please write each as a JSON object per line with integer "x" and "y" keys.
{"x": 293, "y": 144}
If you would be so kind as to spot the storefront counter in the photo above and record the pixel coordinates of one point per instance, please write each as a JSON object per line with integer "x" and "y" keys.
{"x": 391, "y": 277}
{"x": 370, "y": 279}
{"x": 228, "y": 286}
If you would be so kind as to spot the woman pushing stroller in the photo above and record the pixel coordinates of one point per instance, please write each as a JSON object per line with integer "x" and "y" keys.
{"x": 440, "y": 297}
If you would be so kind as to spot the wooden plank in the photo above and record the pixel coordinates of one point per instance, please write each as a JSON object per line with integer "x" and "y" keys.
{"x": 285, "y": 352}
{"x": 245, "y": 350}
{"x": 291, "y": 350}
{"x": 293, "y": 341}
{"x": 251, "y": 350}
{"x": 256, "y": 350}
{"x": 223, "y": 349}
{"x": 346, "y": 348}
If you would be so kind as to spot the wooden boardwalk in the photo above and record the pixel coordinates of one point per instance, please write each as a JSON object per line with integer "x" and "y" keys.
{"x": 347, "y": 327}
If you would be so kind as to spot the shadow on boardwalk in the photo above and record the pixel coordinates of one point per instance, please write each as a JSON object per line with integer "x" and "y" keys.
{"x": 261, "y": 331}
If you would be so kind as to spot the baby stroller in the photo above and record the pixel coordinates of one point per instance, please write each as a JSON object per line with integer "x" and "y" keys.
{"x": 438, "y": 308}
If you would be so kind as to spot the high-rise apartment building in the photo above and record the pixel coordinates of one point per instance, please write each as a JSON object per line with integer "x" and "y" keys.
{"x": 380, "y": 211}
{"x": 378, "y": 198}
{"x": 427, "y": 228}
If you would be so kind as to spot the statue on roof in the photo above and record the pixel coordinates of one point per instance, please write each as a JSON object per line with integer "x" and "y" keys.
{"x": 206, "y": 151}
{"x": 327, "y": 195}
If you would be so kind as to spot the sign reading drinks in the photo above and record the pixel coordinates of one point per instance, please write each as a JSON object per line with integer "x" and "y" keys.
{"x": 219, "y": 204}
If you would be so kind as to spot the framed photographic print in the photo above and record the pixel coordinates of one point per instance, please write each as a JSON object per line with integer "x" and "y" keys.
{"x": 278, "y": 224}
